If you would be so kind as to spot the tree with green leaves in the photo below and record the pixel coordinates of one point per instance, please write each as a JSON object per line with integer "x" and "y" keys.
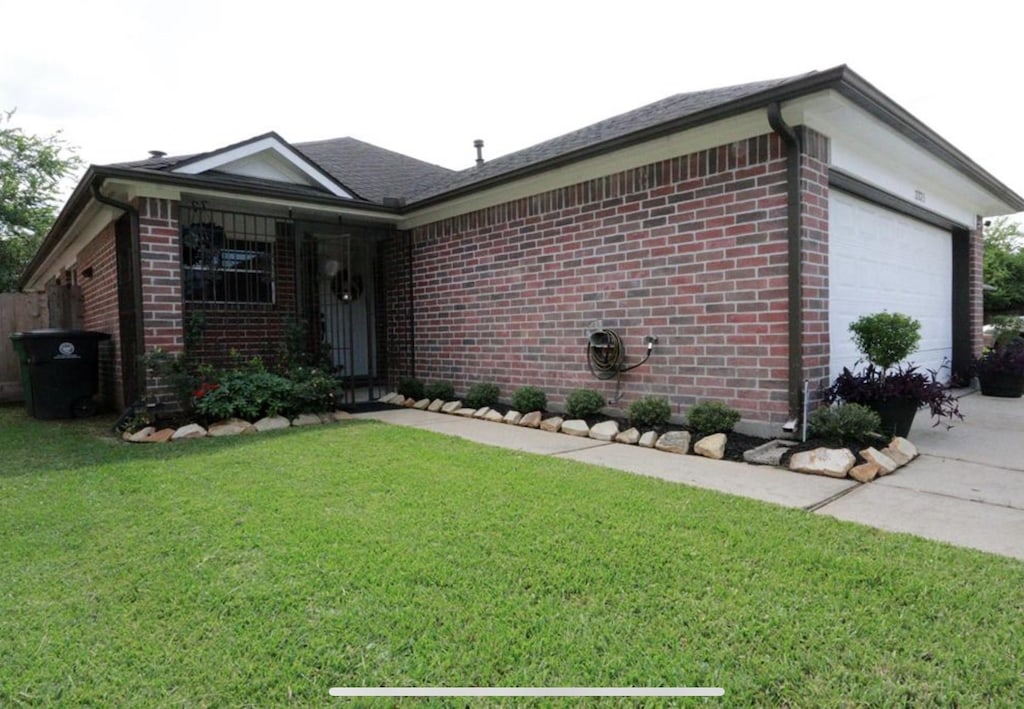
{"x": 31, "y": 170}
{"x": 1004, "y": 266}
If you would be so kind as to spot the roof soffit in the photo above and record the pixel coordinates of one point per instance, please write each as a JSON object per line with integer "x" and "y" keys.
{"x": 865, "y": 146}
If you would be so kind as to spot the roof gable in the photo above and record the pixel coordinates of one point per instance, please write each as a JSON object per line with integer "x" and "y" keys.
{"x": 264, "y": 157}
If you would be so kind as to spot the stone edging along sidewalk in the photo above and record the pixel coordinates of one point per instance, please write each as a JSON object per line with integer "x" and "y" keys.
{"x": 836, "y": 463}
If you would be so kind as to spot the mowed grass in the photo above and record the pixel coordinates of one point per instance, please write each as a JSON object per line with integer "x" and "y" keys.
{"x": 264, "y": 570}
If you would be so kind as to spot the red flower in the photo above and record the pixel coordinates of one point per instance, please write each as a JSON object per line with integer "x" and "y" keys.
{"x": 204, "y": 389}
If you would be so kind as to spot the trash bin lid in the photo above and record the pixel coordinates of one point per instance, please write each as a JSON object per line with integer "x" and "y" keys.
{"x": 58, "y": 332}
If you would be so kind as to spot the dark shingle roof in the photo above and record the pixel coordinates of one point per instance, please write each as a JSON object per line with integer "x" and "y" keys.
{"x": 374, "y": 173}
{"x": 653, "y": 114}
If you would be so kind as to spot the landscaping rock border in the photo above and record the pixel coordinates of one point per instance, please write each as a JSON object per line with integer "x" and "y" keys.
{"x": 839, "y": 463}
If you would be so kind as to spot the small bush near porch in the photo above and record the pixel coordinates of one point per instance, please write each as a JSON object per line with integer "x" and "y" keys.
{"x": 265, "y": 570}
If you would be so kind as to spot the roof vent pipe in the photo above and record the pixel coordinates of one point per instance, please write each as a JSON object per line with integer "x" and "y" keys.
{"x": 157, "y": 153}
{"x": 479, "y": 145}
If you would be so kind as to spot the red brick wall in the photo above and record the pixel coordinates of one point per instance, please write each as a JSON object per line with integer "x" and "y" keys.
{"x": 975, "y": 280}
{"x": 100, "y": 310}
{"x": 161, "y": 284}
{"x": 691, "y": 250}
{"x": 814, "y": 272}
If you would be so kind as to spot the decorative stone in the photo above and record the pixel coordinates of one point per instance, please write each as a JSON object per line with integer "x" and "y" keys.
{"x": 513, "y": 417}
{"x": 885, "y": 464}
{"x": 834, "y": 462}
{"x": 436, "y": 405}
{"x": 531, "y": 420}
{"x": 481, "y": 412}
{"x": 451, "y": 407}
{"x": 271, "y": 423}
{"x": 630, "y": 436}
{"x": 648, "y": 439}
{"x": 230, "y": 427}
{"x": 901, "y": 450}
{"x": 161, "y": 436}
{"x": 605, "y": 431}
{"x": 140, "y": 435}
{"x": 576, "y": 427}
{"x": 392, "y": 397}
{"x": 192, "y": 430}
{"x": 422, "y": 404}
{"x": 494, "y": 416}
{"x": 325, "y": 416}
{"x": 712, "y": 446}
{"x": 674, "y": 442}
{"x": 552, "y": 424}
{"x": 306, "y": 420}
{"x": 465, "y": 411}
{"x": 769, "y": 453}
{"x": 409, "y": 403}
{"x": 865, "y": 472}
{"x": 342, "y": 416}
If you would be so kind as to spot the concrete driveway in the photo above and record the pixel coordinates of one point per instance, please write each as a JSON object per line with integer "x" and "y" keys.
{"x": 966, "y": 487}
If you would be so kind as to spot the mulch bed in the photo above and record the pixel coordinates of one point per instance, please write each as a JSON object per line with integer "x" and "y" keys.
{"x": 735, "y": 446}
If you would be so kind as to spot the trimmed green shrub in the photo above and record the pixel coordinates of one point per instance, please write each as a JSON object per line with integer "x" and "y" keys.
{"x": 313, "y": 390}
{"x": 411, "y": 388}
{"x": 481, "y": 395}
{"x": 439, "y": 390}
{"x": 845, "y": 424}
{"x": 528, "y": 399}
{"x": 250, "y": 395}
{"x": 709, "y": 417}
{"x": 886, "y": 338}
{"x": 584, "y": 403}
{"x": 649, "y": 412}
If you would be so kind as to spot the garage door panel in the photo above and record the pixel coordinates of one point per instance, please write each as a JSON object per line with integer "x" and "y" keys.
{"x": 882, "y": 260}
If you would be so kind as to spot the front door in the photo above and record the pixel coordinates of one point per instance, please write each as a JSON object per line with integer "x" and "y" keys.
{"x": 346, "y": 299}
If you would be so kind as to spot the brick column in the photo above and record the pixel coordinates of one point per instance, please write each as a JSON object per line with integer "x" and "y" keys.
{"x": 814, "y": 193}
{"x": 162, "y": 311}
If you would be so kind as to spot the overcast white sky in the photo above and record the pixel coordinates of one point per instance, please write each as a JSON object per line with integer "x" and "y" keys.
{"x": 426, "y": 78}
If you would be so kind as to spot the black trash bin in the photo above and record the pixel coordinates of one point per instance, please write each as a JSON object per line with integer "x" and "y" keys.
{"x": 59, "y": 371}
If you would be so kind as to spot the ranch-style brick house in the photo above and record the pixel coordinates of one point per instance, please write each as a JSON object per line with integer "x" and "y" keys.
{"x": 743, "y": 227}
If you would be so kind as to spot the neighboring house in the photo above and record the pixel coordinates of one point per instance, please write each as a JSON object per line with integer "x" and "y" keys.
{"x": 743, "y": 227}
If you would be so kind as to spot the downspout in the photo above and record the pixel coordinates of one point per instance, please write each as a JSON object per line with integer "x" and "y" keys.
{"x": 136, "y": 268}
{"x": 794, "y": 251}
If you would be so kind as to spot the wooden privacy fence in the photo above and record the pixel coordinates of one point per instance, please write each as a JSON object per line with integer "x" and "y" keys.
{"x": 18, "y": 312}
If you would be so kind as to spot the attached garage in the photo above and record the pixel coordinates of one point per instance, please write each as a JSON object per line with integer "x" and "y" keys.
{"x": 880, "y": 259}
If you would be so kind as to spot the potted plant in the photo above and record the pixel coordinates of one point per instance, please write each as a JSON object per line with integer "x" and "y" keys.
{"x": 1000, "y": 368}
{"x": 893, "y": 390}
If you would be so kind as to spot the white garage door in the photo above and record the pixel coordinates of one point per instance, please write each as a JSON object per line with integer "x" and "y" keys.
{"x": 882, "y": 260}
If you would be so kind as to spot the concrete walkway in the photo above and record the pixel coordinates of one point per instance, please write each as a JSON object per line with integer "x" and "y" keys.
{"x": 967, "y": 487}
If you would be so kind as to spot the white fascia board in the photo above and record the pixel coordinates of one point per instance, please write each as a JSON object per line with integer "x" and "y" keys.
{"x": 712, "y": 135}
{"x": 86, "y": 227}
{"x": 276, "y": 147}
{"x": 865, "y": 147}
{"x": 129, "y": 190}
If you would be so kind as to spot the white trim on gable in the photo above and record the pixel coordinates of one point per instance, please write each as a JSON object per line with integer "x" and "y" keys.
{"x": 267, "y": 158}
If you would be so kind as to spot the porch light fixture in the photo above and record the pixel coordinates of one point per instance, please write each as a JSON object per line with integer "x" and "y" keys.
{"x": 329, "y": 268}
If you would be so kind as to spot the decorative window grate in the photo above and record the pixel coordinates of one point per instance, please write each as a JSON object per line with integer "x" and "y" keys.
{"x": 228, "y": 257}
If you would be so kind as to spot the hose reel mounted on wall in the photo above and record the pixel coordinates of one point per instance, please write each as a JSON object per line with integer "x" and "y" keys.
{"x": 606, "y": 355}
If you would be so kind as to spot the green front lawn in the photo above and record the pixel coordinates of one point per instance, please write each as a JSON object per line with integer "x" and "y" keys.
{"x": 266, "y": 569}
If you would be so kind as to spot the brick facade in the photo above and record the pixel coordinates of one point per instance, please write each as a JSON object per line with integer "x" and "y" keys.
{"x": 975, "y": 285}
{"x": 814, "y": 188}
{"x": 691, "y": 250}
{"x": 96, "y": 272}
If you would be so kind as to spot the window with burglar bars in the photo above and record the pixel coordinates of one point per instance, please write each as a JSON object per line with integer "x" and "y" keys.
{"x": 228, "y": 257}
